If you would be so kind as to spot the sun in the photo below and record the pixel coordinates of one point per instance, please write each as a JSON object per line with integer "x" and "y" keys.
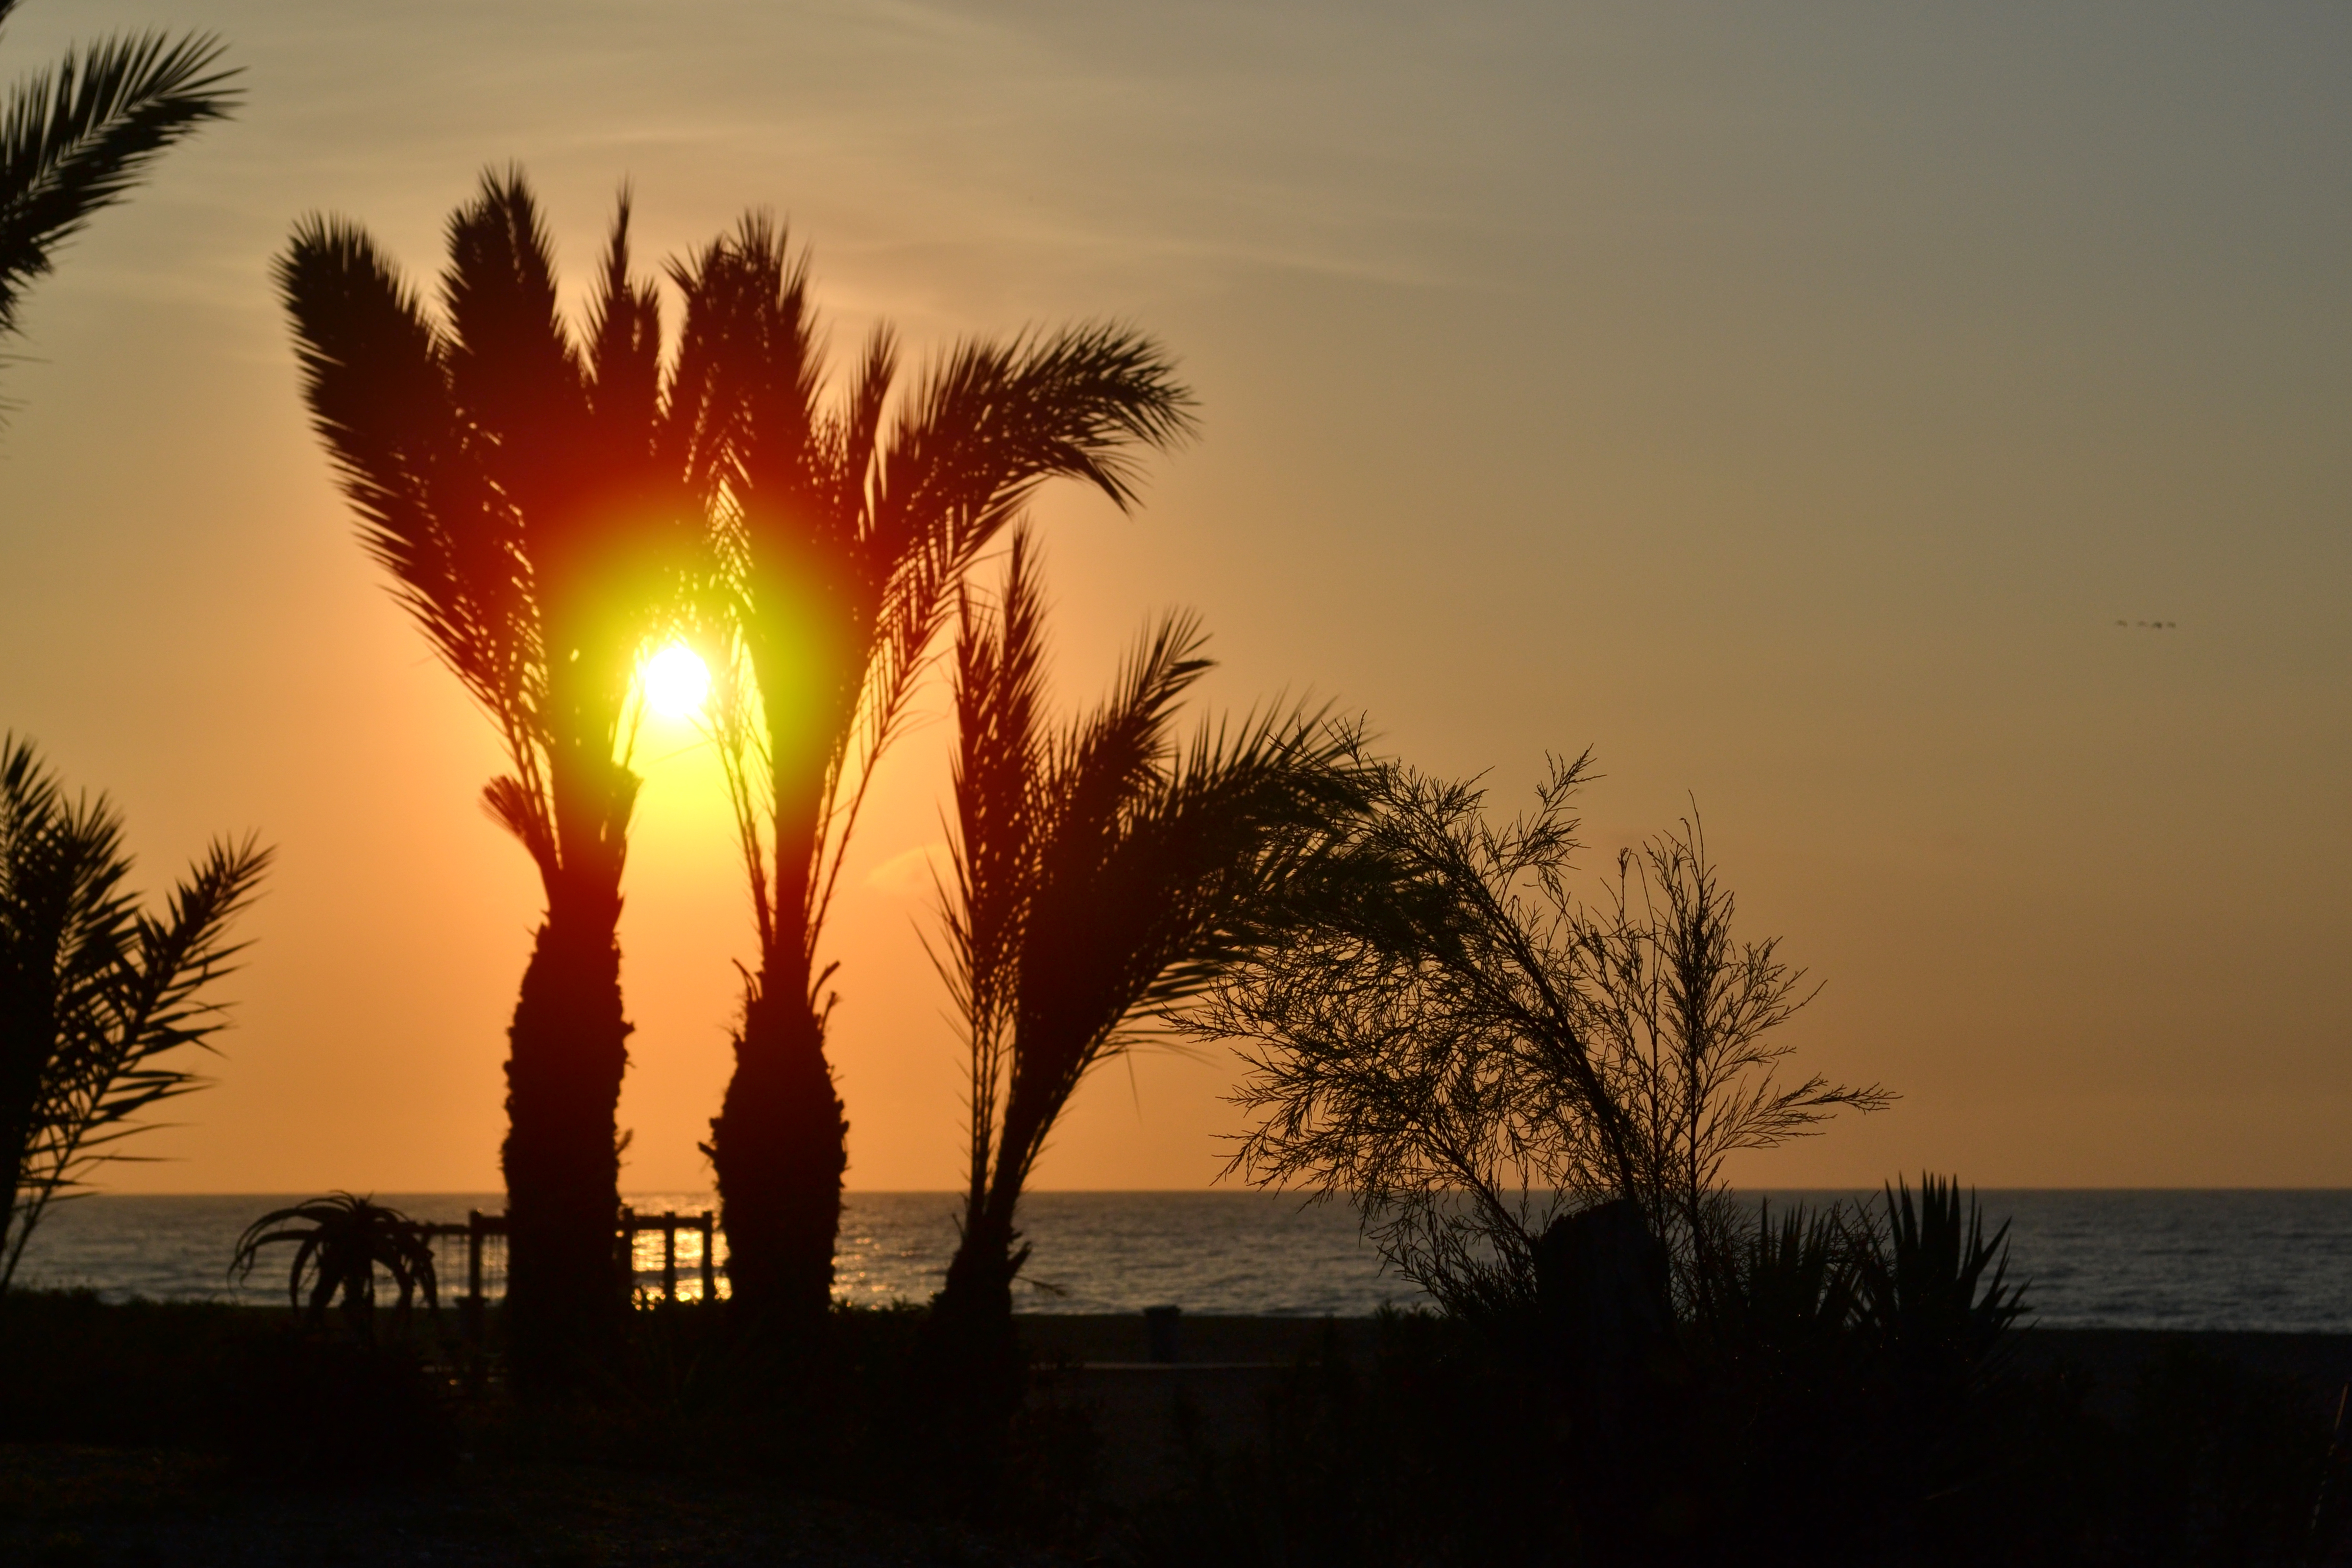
{"x": 678, "y": 682}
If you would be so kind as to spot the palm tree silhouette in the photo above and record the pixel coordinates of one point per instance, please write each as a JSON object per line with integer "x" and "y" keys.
{"x": 848, "y": 524}
{"x": 538, "y": 501}
{"x": 76, "y": 140}
{"x": 96, "y": 995}
{"x": 1102, "y": 873}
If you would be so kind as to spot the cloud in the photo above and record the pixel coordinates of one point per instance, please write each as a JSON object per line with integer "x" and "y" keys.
{"x": 909, "y": 872}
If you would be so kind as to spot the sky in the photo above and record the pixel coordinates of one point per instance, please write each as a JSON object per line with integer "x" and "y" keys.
{"x": 1801, "y": 404}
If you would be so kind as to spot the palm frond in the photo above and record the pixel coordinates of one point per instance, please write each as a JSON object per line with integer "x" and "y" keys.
{"x": 987, "y": 425}
{"x": 152, "y": 1003}
{"x": 74, "y": 140}
{"x": 1000, "y": 757}
{"x": 375, "y": 376}
{"x": 992, "y": 421}
{"x": 781, "y": 377}
{"x": 1138, "y": 907}
{"x": 624, "y": 350}
{"x": 514, "y": 368}
{"x": 94, "y": 993}
{"x": 1102, "y": 874}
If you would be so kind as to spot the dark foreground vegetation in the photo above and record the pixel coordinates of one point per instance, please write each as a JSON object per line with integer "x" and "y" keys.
{"x": 189, "y": 1433}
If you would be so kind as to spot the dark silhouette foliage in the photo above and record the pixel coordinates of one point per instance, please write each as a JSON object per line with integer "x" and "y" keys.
{"x": 1801, "y": 1424}
{"x": 100, "y": 1001}
{"x": 1453, "y": 1041}
{"x": 76, "y": 139}
{"x": 1929, "y": 1287}
{"x": 339, "y": 1241}
{"x": 846, "y": 522}
{"x": 1103, "y": 873}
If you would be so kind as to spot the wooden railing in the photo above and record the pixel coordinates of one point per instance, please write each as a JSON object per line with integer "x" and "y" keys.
{"x": 669, "y": 1225}
{"x": 479, "y": 1227}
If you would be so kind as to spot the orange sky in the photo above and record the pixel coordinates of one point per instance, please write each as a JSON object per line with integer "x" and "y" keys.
{"x": 1786, "y": 401}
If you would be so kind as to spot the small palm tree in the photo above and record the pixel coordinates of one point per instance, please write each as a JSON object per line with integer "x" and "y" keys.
{"x": 338, "y": 1243}
{"x": 538, "y": 501}
{"x": 847, "y": 524}
{"x": 1102, "y": 874}
{"x": 97, "y": 996}
{"x": 78, "y": 139}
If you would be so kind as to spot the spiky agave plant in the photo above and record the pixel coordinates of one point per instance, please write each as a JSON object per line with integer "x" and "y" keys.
{"x": 538, "y": 499}
{"x": 848, "y": 523}
{"x": 99, "y": 999}
{"x": 1102, "y": 874}
{"x": 339, "y": 1241}
{"x": 1932, "y": 1289}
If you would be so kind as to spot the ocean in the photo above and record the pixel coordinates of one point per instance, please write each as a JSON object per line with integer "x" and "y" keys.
{"x": 2243, "y": 1259}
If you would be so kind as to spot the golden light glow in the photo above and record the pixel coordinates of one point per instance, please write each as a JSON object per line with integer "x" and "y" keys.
{"x": 678, "y": 683}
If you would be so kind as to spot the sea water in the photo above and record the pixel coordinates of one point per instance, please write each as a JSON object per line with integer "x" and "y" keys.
{"x": 2182, "y": 1259}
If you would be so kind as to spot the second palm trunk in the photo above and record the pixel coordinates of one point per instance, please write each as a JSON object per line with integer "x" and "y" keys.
{"x": 779, "y": 1146}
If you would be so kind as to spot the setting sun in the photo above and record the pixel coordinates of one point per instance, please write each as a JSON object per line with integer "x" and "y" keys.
{"x": 676, "y": 682}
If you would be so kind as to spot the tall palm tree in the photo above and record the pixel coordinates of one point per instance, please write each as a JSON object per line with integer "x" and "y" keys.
{"x": 98, "y": 997}
{"x": 76, "y": 140}
{"x": 1102, "y": 873}
{"x": 848, "y": 523}
{"x": 538, "y": 501}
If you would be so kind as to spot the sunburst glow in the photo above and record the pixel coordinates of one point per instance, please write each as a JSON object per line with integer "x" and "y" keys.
{"x": 678, "y": 683}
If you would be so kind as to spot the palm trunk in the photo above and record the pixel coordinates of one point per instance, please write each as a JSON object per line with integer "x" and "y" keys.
{"x": 779, "y": 1145}
{"x": 973, "y": 1371}
{"x": 566, "y": 1289}
{"x": 980, "y": 1276}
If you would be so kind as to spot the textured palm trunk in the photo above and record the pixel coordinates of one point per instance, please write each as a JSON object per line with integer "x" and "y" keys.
{"x": 974, "y": 1368}
{"x": 980, "y": 1276}
{"x": 779, "y": 1146}
{"x": 566, "y": 1290}
{"x": 779, "y": 1143}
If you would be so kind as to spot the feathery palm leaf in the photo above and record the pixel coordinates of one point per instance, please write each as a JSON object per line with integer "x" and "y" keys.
{"x": 77, "y": 138}
{"x": 536, "y": 508}
{"x": 1101, "y": 876}
{"x": 94, "y": 991}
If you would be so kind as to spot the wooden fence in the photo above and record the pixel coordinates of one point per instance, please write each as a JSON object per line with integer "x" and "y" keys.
{"x": 479, "y": 1227}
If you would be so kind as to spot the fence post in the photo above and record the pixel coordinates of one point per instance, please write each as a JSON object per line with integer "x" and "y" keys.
{"x": 670, "y": 1258}
{"x": 709, "y": 1259}
{"x": 469, "y": 1313}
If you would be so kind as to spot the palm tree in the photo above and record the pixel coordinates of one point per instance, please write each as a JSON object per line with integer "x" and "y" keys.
{"x": 76, "y": 140}
{"x": 1101, "y": 875}
{"x": 847, "y": 528}
{"x": 95, "y": 992}
{"x": 536, "y": 501}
